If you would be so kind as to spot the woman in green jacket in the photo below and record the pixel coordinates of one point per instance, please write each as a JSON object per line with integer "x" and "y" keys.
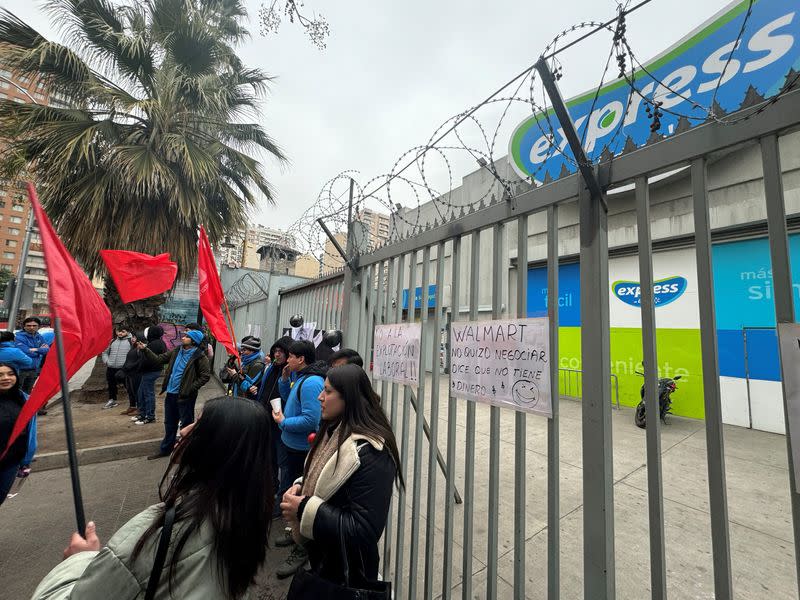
{"x": 219, "y": 484}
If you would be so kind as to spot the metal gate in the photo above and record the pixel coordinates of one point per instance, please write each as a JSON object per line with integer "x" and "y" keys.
{"x": 319, "y": 301}
{"x": 431, "y": 544}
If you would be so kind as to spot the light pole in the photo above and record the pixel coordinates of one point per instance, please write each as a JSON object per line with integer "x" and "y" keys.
{"x": 26, "y": 244}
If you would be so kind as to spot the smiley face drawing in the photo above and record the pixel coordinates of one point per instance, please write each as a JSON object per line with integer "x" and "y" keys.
{"x": 525, "y": 393}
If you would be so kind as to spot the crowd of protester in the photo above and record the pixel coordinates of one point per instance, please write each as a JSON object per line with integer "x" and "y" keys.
{"x": 298, "y": 454}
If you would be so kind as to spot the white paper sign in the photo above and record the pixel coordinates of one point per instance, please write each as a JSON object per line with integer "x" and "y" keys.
{"x": 789, "y": 340}
{"x": 396, "y": 353}
{"x": 505, "y": 363}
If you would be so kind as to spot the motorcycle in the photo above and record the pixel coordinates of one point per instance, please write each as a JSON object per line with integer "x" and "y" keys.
{"x": 666, "y": 386}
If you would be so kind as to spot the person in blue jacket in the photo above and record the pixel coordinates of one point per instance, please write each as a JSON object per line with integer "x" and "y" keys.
{"x": 301, "y": 384}
{"x": 9, "y": 353}
{"x": 33, "y": 345}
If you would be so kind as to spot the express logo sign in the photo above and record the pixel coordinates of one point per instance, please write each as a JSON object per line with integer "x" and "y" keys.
{"x": 711, "y": 64}
{"x": 664, "y": 291}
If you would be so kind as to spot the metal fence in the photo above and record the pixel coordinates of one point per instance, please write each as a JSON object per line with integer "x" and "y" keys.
{"x": 425, "y": 533}
{"x": 320, "y": 299}
{"x": 430, "y": 541}
{"x": 570, "y": 384}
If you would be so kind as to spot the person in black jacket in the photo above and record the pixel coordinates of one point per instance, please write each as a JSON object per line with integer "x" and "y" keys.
{"x": 150, "y": 370}
{"x": 131, "y": 375}
{"x": 12, "y": 400}
{"x": 346, "y": 502}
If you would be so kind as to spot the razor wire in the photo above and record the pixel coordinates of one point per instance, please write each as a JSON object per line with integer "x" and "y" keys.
{"x": 406, "y": 193}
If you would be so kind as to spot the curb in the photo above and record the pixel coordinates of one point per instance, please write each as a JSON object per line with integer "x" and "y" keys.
{"x": 99, "y": 454}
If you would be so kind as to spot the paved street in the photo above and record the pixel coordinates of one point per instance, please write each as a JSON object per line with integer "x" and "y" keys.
{"x": 36, "y": 525}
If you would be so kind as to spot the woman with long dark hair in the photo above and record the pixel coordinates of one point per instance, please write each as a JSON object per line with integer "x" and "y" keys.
{"x": 12, "y": 399}
{"x": 343, "y": 499}
{"x": 218, "y": 494}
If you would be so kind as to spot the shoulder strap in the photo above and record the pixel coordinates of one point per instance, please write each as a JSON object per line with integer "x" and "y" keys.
{"x": 300, "y": 387}
{"x": 161, "y": 554}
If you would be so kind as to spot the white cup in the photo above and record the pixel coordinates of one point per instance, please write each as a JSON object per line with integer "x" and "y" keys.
{"x": 276, "y": 405}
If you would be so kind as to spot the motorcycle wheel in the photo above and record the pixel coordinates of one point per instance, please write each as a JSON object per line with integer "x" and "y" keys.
{"x": 639, "y": 417}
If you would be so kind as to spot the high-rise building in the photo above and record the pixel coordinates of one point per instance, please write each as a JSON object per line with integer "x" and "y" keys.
{"x": 258, "y": 236}
{"x": 308, "y": 265}
{"x": 331, "y": 259}
{"x": 377, "y": 227}
{"x": 240, "y": 249}
{"x": 14, "y": 205}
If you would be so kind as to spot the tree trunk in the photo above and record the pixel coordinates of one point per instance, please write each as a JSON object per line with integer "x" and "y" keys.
{"x": 136, "y": 316}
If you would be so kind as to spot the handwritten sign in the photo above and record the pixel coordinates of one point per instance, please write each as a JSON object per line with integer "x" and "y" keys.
{"x": 505, "y": 363}
{"x": 789, "y": 339}
{"x": 396, "y": 353}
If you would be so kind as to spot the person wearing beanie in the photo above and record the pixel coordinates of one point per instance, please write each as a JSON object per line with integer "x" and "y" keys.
{"x": 246, "y": 380}
{"x": 150, "y": 370}
{"x": 131, "y": 375}
{"x": 206, "y": 343}
{"x": 188, "y": 369}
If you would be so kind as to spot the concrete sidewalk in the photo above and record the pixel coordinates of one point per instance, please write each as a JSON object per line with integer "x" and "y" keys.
{"x": 758, "y": 500}
{"x": 98, "y": 428}
{"x": 35, "y": 526}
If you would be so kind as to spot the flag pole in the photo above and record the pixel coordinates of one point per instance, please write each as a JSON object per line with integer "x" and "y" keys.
{"x": 230, "y": 328}
{"x": 70, "y": 431}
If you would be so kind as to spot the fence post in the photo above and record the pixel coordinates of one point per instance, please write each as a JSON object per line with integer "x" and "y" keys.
{"x": 352, "y": 287}
{"x": 598, "y": 482}
{"x": 784, "y": 296}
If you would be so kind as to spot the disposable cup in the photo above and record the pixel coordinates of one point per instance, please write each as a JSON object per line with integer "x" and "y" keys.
{"x": 276, "y": 404}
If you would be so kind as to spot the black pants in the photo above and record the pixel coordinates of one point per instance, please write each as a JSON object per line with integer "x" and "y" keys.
{"x": 294, "y": 461}
{"x": 175, "y": 411}
{"x": 132, "y": 386}
{"x": 27, "y": 379}
{"x": 111, "y": 379}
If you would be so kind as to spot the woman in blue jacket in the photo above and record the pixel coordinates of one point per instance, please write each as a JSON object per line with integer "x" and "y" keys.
{"x": 9, "y": 353}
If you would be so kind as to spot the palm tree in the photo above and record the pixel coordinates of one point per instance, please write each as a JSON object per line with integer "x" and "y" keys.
{"x": 153, "y": 134}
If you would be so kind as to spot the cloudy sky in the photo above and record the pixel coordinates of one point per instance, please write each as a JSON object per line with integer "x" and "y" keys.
{"x": 394, "y": 71}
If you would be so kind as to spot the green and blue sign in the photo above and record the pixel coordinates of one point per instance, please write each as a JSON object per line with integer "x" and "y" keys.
{"x": 706, "y": 67}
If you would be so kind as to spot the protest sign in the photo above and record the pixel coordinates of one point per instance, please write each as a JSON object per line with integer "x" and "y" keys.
{"x": 396, "y": 353}
{"x": 505, "y": 363}
{"x": 789, "y": 339}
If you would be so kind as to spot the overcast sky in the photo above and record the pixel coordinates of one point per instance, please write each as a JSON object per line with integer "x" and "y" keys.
{"x": 394, "y": 71}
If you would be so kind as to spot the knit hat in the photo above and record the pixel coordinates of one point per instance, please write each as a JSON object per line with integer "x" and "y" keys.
{"x": 197, "y": 336}
{"x": 252, "y": 343}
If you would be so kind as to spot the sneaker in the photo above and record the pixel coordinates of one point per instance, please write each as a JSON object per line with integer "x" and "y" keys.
{"x": 285, "y": 540}
{"x": 157, "y": 455}
{"x": 145, "y": 421}
{"x": 136, "y": 418}
{"x": 295, "y": 561}
{"x": 110, "y": 404}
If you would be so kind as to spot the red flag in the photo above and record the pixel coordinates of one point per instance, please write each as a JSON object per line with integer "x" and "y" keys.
{"x": 138, "y": 275}
{"x": 85, "y": 318}
{"x": 211, "y": 295}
